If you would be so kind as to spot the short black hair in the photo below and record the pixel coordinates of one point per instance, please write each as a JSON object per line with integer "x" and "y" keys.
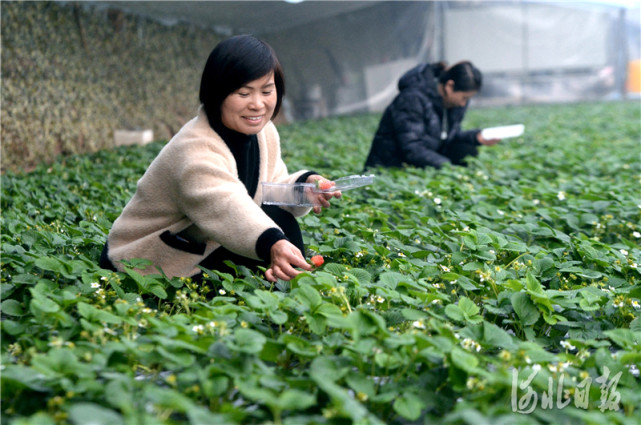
{"x": 233, "y": 63}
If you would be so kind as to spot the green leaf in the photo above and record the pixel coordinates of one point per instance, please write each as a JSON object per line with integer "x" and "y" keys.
{"x": 248, "y": 341}
{"x": 624, "y": 338}
{"x": 118, "y": 393}
{"x": 11, "y": 307}
{"x": 278, "y": 317}
{"x": 298, "y": 345}
{"x": 19, "y": 377}
{"x": 168, "y": 398}
{"x": 454, "y": 312}
{"x": 409, "y": 406}
{"x": 361, "y": 384}
{"x": 309, "y": 296}
{"x": 367, "y": 322}
{"x": 464, "y": 360}
{"x": 411, "y": 314}
{"x": 391, "y": 279}
{"x": 533, "y": 285}
{"x": 41, "y": 304}
{"x": 94, "y": 414}
{"x": 465, "y": 311}
{"x": 361, "y": 276}
{"x": 497, "y": 337}
{"x": 468, "y": 308}
{"x": 525, "y": 309}
{"x": 316, "y": 322}
{"x": 214, "y": 387}
{"x": 158, "y": 291}
{"x": 202, "y": 415}
{"x": 50, "y": 264}
{"x": 466, "y": 283}
{"x": 94, "y": 314}
{"x": 328, "y": 310}
{"x": 263, "y": 300}
{"x": 295, "y": 400}
{"x": 178, "y": 358}
{"x": 588, "y": 274}
{"x": 324, "y": 373}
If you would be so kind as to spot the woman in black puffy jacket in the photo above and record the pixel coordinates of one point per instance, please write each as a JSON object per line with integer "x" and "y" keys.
{"x": 422, "y": 125}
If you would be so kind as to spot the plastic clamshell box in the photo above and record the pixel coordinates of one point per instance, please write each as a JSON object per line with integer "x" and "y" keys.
{"x": 289, "y": 194}
{"x": 302, "y": 194}
{"x": 503, "y": 132}
{"x": 349, "y": 182}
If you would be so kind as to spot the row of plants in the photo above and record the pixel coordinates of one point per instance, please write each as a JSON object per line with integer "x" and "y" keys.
{"x": 505, "y": 292}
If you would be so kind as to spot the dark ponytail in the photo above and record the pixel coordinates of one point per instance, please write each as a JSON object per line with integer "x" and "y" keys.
{"x": 466, "y": 77}
{"x": 438, "y": 69}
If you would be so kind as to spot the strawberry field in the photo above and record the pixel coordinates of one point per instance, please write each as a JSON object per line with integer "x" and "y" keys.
{"x": 507, "y": 292}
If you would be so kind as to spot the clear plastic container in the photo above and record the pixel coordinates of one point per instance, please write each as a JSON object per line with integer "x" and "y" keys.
{"x": 289, "y": 194}
{"x": 503, "y": 132}
{"x": 349, "y": 182}
{"x": 304, "y": 194}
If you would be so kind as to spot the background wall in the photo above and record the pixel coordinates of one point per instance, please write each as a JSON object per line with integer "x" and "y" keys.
{"x": 72, "y": 76}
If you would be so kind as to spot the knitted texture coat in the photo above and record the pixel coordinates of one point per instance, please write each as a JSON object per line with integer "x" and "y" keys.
{"x": 190, "y": 201}
{"x": 409, "y": 132}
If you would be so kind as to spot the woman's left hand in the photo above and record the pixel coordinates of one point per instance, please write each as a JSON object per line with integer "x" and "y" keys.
{"x": 285, "y": 257}
{"x": 322, "y": 199}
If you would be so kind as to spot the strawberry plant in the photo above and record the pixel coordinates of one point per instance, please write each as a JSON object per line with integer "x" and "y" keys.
{"x": 504, "y": 292}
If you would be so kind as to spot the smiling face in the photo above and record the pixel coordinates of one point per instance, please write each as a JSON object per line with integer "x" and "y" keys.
{"x": 248, "y": 109}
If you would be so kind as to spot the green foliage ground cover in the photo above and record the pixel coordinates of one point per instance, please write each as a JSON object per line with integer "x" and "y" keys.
{"x": 505, "y": 292}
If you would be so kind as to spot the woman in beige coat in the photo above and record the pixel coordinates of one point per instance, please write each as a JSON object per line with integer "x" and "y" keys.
{"x": 199, "y": 202}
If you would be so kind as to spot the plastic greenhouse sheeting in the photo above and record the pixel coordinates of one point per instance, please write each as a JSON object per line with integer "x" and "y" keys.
{"x": 346, "y": 57}
{"x": 528, "y": 52}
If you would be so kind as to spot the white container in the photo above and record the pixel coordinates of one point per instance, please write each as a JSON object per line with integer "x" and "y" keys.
{"x": 133, "y": 137}
{"x": 503, "y": 132}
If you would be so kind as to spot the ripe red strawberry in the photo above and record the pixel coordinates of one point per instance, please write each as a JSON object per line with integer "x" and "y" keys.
{"x": 325, "y": 185}
{"x": 317, "y": 260}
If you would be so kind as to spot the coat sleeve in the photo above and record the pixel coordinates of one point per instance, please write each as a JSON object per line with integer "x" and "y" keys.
{"x": 469, "y": 137}
{"x": 461, "y": 136}
{"x": 418, "y": 137}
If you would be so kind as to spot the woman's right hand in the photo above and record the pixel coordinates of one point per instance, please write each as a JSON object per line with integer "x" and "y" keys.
{"x": 487, "y": 142}
{"x": 285, "y": 257}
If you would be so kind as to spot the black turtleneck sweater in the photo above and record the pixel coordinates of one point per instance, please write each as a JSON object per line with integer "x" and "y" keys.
{"x": 247, "y": 155}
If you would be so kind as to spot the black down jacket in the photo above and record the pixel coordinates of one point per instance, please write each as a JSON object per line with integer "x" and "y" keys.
{"x": 410, "y": 129}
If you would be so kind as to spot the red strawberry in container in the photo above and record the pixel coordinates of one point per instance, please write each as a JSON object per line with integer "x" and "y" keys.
{"x": 324, "y": 184}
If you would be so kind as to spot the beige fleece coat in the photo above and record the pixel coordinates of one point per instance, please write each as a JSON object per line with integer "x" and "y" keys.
{"x": 191, "y": 191}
